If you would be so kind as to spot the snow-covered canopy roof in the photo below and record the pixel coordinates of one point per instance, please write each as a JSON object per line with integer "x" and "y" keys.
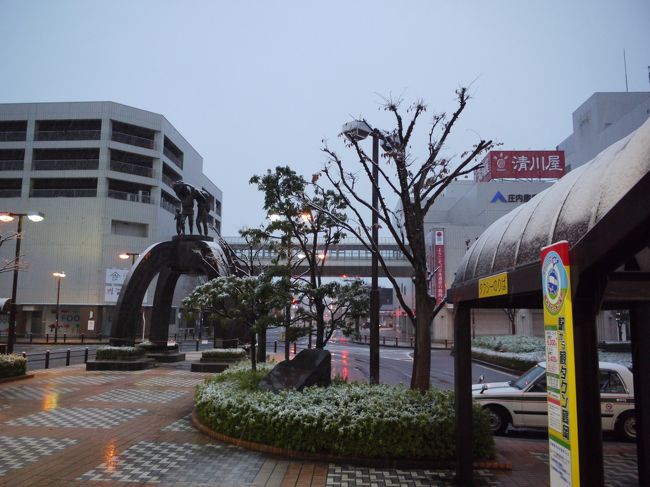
{"x": 568, "y": 210}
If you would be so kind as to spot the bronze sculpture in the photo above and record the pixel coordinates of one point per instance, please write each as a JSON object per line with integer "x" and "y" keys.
{"x": 187, "y": 194}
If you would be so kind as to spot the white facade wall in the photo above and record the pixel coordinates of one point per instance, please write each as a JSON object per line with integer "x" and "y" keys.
{"x": 76, "y": 235}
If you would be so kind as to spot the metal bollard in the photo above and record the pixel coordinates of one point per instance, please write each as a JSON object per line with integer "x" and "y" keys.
{"x": 197, "y": 345}
{"x": 411, "y": 343}
{"x": 47, "y": 338}
{"x": 64, "y": 337}
{"x": 67, "y": 358}
{"x": 82, "y": 338}
{"x": 446, "y": 344}
{"x": 384, "y": 340}
{"x": 86, "y": 356}
{"x": 275, "y": 346}
{"x": 100, "y": 337}
{"x": 31, "y": 338}
{"x": 47, "y": 359}
{"x": 396, "y": 344}
{"x": 294, "y": 348}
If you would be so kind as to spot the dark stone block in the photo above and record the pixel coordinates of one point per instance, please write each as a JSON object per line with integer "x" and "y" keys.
{"x": 308, "y": 368}
{"x": 214, "y": 367}
{"x": 167, "y": 357}
{"x": 121, "y": 365}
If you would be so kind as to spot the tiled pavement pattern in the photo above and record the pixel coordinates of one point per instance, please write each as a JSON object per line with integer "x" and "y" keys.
{"x": 180, "y": 462}
{"x": 55, "y": 436}
{"x": 620, "y": 470}
{"x": 88, "y": 379}
{"x": 31, "y": 392}
{"x": 19, "y": 452}
{"x": 79, "y": 417}
{"x": 374, "y": 477}
{"x": 183, "y": 424}
{"x": 137, "y": 395}
{"x": 171, "y": 382}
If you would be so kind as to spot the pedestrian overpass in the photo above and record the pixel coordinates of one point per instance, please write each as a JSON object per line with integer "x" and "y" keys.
{"x": 348, "y": 258}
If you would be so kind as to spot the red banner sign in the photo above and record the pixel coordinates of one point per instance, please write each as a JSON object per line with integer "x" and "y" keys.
{"x": 439, "y": 264}
{"x": 544, "y": 164}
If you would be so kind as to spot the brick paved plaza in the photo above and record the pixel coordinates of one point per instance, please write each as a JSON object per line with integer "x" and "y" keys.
{"x": 71, "y": 427}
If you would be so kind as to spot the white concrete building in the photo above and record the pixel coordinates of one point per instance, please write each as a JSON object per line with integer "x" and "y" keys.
{"x": 101, "y": 172}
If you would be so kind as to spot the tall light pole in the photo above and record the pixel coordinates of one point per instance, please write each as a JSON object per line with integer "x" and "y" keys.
{"x": 9, "y": 217}
{"x": 358, "y": 130}
{"x": 58, "y": 276}
{"x": 126, "y": 255}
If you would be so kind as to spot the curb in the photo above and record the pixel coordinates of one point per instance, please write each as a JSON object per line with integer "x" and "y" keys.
{"x": 16, "y": 377}
{"x": 499, "y": 464}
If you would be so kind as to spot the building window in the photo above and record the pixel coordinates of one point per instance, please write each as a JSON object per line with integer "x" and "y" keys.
{"x": 12, "y": 159}
{"x": 129, "y": 229}
{"x": 13, "y": 131}
{"x": 68, "y": 129}
{"x": 10, "y": 188}
{"x": 65, "y": 159}
{"x": 63, "y": 188}
{"x": 132, "y": 134}
{"x": 173, "y": 153}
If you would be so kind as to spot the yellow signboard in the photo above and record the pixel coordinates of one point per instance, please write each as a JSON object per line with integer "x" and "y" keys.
{"x": 496, "y": 285}
{"x": 560, "y": 367}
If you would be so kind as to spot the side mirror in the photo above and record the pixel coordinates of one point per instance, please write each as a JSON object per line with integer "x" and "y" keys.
{"x": 483, "y": 389}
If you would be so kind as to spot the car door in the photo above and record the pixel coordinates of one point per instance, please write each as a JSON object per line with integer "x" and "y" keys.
{"x": 614, "y": 397}
{"x": 534, "y": 412}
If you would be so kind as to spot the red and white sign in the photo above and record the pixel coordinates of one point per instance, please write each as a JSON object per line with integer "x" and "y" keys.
{"x": 543, "y": 164}
{"x": 439, "y": 265}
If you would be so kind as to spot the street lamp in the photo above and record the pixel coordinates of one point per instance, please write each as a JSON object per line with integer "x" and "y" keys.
{"x": 126, "y": 255}
{"x": 358, "y": 130}
{"x": 9, "y": 217}
{"x": 58, "y": 276}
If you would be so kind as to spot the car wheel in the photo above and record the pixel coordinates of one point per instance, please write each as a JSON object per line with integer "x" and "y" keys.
{"x": 499, "y": 419}
{"x": 626, "y": 426}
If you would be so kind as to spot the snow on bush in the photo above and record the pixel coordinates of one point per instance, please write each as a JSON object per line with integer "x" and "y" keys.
{"x": 117, "y": 353}
{"x": 344, "y": 419}
{"x": 224, "y": 353}
{"x": 12, "y": 365}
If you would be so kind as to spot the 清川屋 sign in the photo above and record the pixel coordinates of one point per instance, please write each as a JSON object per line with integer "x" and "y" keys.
{"x": 543, "y": 164}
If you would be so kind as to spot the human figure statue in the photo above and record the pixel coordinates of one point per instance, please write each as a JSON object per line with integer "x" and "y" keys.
{"x": 180, "y": 229}
{"x": 185, "y": 193}
{"x": 202, "y": 210}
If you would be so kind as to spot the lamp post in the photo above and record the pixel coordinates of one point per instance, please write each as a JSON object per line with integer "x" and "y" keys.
{"x": 58, "y": 276}
{"x": 126, "y": 255}
{"x": 8, "y": 217}
{"x": 358, "y": 130}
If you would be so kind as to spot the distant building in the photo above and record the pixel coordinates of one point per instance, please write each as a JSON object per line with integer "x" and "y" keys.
{"x": 101, "y": 172}
{"x": 600, "y": 121}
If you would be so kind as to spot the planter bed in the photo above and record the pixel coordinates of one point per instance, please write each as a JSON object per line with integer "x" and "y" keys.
{"x": 204, "y": 366}
{"x": 16, "y": 377}
{"x": 167, "y": 357}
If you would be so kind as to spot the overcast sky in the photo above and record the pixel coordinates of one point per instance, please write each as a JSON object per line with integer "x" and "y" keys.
{"x": 254, "y": 84}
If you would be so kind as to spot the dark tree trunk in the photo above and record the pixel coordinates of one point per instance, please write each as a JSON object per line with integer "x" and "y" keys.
{"x": 320, "y": 324}
{"x": 422, "y": 353}
{"x": 253, "y": 352}
{"x": 261, "y": 346}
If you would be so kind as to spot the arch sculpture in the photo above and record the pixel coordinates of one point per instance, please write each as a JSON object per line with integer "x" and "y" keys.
{"x": 184, "y": 254}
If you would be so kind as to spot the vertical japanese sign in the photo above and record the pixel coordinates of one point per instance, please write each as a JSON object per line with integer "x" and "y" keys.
{"x": 560, "y": 366}
{"x": 113, "y": 284}
{"x": 439, "y": 264}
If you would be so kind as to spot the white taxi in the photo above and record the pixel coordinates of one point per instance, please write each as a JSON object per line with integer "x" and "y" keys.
{"x": 521, "y": 403}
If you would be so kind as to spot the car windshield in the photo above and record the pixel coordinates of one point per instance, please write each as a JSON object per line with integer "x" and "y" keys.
{"x": 529, "y": 376}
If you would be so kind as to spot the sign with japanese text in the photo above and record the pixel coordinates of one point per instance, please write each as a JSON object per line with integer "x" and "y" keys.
{"x": 522, "y": 165}
{"x": 439, "y": 265}
{"x": 560, "y": 366}
{"x": 496, "y": 285}
{"x": 113, "y": 284}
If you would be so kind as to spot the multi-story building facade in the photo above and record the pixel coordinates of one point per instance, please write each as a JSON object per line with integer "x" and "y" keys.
{"x": 101, "y": 173}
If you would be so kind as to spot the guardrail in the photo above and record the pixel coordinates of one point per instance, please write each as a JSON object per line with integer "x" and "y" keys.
{"x": 58, "y": 358}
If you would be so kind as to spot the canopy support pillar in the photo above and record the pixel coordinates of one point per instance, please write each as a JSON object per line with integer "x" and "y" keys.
{"x": 585, "y": 342}
{"x": 463, "y": 388}
{"x": 639, "y": 320}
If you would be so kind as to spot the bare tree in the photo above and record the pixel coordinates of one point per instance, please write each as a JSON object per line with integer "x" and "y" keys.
{"x": 416, "y": 183}
{"x": 9, "y": 265}
{"x": 511, "y": 313}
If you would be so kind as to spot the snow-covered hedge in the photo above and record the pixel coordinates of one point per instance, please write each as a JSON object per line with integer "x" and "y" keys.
{"x": 343, "y": 419}
{"x": 12, "y": 365}
{"x": 522, "y": 352}
{"x": 223, "y": 354}
{"x": 119, "y": 353}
